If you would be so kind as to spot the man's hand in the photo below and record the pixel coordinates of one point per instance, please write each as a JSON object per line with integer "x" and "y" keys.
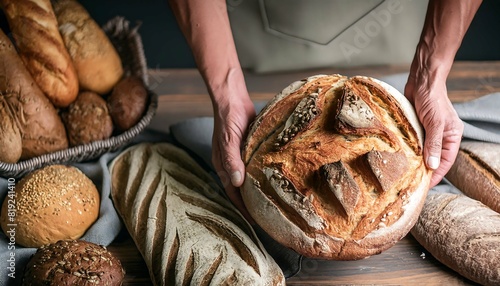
{"x": 443, "y": 128}
{"x": 445, "y": 25}
{"x": 205, "y": 24}
{"x": 232, "y": 116}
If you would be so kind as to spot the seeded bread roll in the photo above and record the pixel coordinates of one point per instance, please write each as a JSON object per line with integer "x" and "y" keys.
{"x": 87, "y": 119}
{"x": 53, "y": 203}
{"x": 476, "y": 172}
{"x": 73, "y": 263}
{"x": 186, "y": 231}
{"x": 463, "y": 234}
{"x": 334, "y": 167}
{"x": 95, "y": 59}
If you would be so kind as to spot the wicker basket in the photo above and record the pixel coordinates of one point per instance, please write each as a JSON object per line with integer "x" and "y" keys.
{"x": 128, "y": 43}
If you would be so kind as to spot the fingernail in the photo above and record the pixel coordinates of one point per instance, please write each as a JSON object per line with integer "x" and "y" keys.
{"x": 433, "y": 162}
{"x": 236, "y": 178}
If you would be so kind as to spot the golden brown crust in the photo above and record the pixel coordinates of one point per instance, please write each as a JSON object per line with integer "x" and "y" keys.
{"x": 73, "y": 263}
{"x": 41, "y": 127}
{"x": 476, "y": 172}
{"x": 332, "y": 168}
{"x": 87, "y": 119}
{"x": 41, "y": 48}
{"x": 96, "y": 61}
{"x": 60, "y": 198}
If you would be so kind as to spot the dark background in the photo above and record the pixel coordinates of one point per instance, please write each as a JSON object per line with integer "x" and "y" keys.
{"x": 165, "y": 47}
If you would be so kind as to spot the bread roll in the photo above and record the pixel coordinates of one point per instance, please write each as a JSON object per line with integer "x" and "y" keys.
{"x": 10, "y": 136}
{"x": 53, "y": 203}
{"x": 96, "y": 61}
{"x": 186, "y": 231}
{"x": 127, "y": 103}
{"x": 335, "y": 167}
{"x": 34, "y": 27}
{"x": 463, "y": 234}
{"x": 87, "y": 119}
{"x": 476, "y": 172}
{"x": 73, "y": 263}
{"x": 41, "y": 128}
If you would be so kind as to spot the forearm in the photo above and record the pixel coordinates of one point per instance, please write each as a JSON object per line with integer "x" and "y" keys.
{"x": 445, "y": 26}
{"x": 206, "y": 27}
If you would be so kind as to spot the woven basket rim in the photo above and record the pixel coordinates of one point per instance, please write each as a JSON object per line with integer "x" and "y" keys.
{"x": 117, "y": 27}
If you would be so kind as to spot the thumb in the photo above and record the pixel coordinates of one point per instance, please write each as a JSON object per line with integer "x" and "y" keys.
{"x": 433, "y": 146}
{"x": 232, "y": 163}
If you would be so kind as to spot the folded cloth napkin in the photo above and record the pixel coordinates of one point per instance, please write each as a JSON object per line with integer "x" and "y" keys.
{"x": 102, "y": 232}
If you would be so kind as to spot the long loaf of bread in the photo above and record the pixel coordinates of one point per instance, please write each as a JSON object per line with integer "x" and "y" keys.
{"x": 35, "y": 30}
{"x": 96, "y": 61}
{"x": 463, "y": 234}
{"x": 41, "y": 128}
{"x": 476, "y": 172}
{"x": 186, "y": 231}
{"x": 10, "y": 137}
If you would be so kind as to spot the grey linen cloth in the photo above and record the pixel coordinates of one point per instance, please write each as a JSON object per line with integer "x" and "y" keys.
{"x": 103, "y": 231}
{"x": 481, "y": 118}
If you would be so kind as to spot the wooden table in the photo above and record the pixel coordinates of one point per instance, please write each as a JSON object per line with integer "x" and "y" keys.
{"x": 183, "y": 95}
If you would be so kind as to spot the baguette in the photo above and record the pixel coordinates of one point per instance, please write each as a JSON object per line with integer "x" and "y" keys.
{"x": 35, "y": 30}
{"x": 476, "y": 172}
{"x": 41, "y": 128}
{"x": 96, "y": 61}
{"x": 463, "y": 234}
{"x": 186, "y": 231}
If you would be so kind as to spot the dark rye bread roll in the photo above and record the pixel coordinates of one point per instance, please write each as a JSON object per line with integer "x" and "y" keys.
{"x": 73, "y": 263}
{"x": 187, "y": 233}
{"x": 463, "y": 234}
{"x": 476, "y": 172}
{"x": 335, "y": 167}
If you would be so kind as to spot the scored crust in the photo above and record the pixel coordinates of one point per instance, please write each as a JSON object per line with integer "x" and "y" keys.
{"x": 476, "y": 172}
{"x": 187, "y": 232}
{"x": 334, "y": 167}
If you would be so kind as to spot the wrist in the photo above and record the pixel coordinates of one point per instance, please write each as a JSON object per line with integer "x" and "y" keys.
{"x": 227, "y": 87}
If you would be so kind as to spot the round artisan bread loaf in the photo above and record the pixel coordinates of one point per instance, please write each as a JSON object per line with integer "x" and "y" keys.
{"x": 73, "y": 262}
{"x": 335, "y": 167}
{"x": 53, "y": 203}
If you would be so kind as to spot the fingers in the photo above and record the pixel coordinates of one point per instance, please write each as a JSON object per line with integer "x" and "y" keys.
{"x": 443, "y": 131}
{"x": 443, "y": 127}
{"x": 226, "y": 179}
{"x": 230, "y": 127}
{"x": 452, "y": 137}
{"x": 231, "y": 160}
